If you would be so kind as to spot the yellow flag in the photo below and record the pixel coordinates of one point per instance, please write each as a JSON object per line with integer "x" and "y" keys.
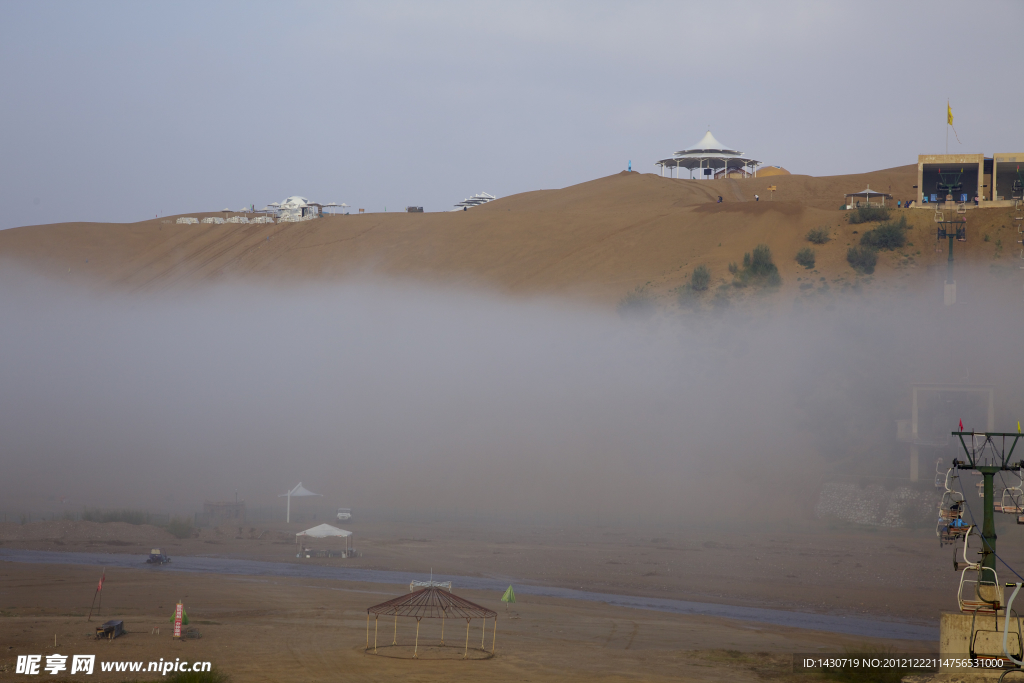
{"x": 1018, "y": 426}
{"x": 949, "y": 114}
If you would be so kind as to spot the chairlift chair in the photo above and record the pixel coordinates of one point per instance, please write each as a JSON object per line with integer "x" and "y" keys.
{"x": 940, "y": 476}
{"x": 980, "y": 591}
{"x": 961, "y": 207}
{"x": 1012, "y": 500}
{"x": 950, "y": 526}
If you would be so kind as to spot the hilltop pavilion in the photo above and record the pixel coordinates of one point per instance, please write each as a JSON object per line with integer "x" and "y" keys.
{"x": 712, "y": 159}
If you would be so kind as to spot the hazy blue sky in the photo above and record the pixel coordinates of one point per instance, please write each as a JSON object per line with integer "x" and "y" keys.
{"x": 122, "y": 111}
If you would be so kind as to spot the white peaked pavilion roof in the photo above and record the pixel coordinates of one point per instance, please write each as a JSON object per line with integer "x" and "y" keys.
{"x": 708, "y": 143}
{"x": 708, "y": 153}
{"x": 299, "y": 490}
{"x": 868, "y": 194}
{"x": 324, "y": 531}
{"x": 294, "y": 203}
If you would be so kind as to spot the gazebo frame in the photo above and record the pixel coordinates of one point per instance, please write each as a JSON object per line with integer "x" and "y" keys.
{"x": 431, "y": 602}
{"x": 868, "y": 194}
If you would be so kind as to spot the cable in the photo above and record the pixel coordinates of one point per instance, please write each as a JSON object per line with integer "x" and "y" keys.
{"x": 984, "y": 542}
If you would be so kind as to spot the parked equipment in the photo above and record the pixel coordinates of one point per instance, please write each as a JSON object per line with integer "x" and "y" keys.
{"x": 156, "y": 556}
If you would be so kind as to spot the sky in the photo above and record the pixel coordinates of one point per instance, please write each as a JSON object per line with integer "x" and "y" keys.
{"x": 122, "y": 111}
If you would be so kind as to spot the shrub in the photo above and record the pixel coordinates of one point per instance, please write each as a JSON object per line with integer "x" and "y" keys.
{"x": 733, "y": 268}
{"x": 761, "y": 262}
{"x": 180, "y": 527}
{"x": 890, "y": 235}
{"x": 637, "y": 303}
{"x": 818, "y": 236}
{"x": 129, "y": 516}
{"x": 863, "y": 259}
{"x": 758, "y": 268}
{"x": 869, "y": 214}
{"x": 805, "y": 257}
{"x": 700, "y": 279}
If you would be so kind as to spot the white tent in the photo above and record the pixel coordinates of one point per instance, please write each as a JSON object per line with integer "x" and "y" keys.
{"x": 325, "y": 531}
{"x": 298, "y": 491}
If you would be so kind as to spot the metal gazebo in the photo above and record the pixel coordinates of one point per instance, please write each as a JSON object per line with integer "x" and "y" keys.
{"x": 432, "y": 602}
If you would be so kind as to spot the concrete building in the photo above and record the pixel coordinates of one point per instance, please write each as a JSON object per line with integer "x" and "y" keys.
{"x": 1007, "y": 176}
{"x": 973, "y": 175}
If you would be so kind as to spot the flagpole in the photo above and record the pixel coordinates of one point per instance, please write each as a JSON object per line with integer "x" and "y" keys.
{"x": 947, "y": 125}
{"x": 92, "y": 603}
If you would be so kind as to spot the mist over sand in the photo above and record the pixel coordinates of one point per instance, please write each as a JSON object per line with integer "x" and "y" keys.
{"x": 391, "y": 395}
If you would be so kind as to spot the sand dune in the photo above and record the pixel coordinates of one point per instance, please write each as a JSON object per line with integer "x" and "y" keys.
{"x": 597, "y": 240}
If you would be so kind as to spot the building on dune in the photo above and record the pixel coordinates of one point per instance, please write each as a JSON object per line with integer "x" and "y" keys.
{"x": 996, "y": 181}
{"x": 297, "y": 209}
{"x": 711, "y": 159}
{"x": 475, "y": 200}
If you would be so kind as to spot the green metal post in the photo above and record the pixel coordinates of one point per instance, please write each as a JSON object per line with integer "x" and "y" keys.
{"x": 949, "y": 261}
{"x": 988, "y": 526}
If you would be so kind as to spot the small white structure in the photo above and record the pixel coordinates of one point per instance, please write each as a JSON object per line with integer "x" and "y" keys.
{"x": 238, "y": 219}
{"x": 475, "y": 200}
{"x": 187, "y": 221}
{"x": 326, "y": 531}
{"x": 297, "y": 209}
{"x": 297, "y": 492}
{"x": 215, "y": 220}
{"x": 711, "y": 158}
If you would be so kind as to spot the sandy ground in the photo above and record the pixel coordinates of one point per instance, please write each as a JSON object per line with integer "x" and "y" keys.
{"x": 596, "y": 241}
{"x": 310, "y": 630}
{"x": 897, "y": 574}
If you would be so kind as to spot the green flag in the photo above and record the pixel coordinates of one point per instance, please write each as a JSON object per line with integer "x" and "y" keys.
{"x": 509, "y": 596}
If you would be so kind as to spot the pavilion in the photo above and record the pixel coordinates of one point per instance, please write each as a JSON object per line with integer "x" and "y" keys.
{"x": 868, "y": 195}
{"x": 432, "y": 602}
{"x": 712, "y": 158}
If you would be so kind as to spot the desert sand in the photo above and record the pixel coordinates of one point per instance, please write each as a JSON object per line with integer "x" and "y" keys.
{"x": 309, "y": 629}
{"x": 596, "y": 241}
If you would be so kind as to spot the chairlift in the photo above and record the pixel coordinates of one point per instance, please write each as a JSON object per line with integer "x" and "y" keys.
{"x": 940, "y": 476}
{"x": 950, "y": 526}
{"x": 979, "y": 591}
{"x": 961, "y": 207}
{"x": 1012, "y": 500}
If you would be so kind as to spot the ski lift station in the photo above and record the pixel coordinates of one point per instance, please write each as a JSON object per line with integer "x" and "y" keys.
{"x": 996, "y": 181}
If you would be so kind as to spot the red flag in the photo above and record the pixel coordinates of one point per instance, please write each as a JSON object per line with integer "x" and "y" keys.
{"x": 100, "y": 586}
{"x": 961, "y": 425}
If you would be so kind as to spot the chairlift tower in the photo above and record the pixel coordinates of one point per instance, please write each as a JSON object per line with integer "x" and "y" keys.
{"x": 988, "y": 459}
{"x": 949, "y": 183}
{"x": 955, "y": 227}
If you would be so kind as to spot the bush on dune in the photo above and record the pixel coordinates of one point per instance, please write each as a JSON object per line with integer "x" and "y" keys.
{"x": 758, "y": 269}
{"x": 862, "y": 259}
{"x": 889, "y": 235}
{"x": 869, "y": 214}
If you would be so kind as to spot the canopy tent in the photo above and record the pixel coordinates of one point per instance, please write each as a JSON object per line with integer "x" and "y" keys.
{"x": 432, "y": 602}
{"x": 325, "y": 531}
{"x": 709, "y": 154}
{"x": 298, "y": 492}
{"x": 868, "y": 194}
